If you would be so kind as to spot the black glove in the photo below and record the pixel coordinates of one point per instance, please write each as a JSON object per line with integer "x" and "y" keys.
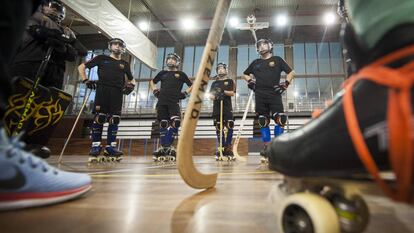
{"x": 183, "y": 95}
{"x": 90, "y": 84}
{"x": 128, "y": 88}
{"x": 42, "y": 33}
{"x": 156, "y": 93}
{"x": 251, "y": 84}
{"x": 281, "y": 87}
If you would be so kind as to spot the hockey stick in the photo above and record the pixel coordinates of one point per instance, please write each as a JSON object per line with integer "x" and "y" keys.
{"x": 73, "y": 127}
{"x": 185, "y": 163}
{"x": 221, "y": 131}
{"x": 239, "y": 133}
{"x": 39, "y": 75}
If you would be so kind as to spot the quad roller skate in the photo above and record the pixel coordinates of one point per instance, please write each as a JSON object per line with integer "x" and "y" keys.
{"x": 112, "y": 154}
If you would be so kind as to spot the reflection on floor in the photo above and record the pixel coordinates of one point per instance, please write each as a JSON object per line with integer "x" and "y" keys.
{"x": 137, "y": 195}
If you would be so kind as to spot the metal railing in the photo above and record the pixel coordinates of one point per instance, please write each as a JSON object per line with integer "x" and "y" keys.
{"x": 239, "y": 104}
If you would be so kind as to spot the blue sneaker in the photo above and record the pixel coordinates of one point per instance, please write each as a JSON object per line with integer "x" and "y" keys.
{"x": 28, "y": 181}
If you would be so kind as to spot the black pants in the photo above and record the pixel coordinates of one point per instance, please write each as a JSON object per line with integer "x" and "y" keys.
{"x": 108, "y": 100}
{"x": 268, "y": 104}
{"x": 13, "y": 17}
{"x": 166, "y": 110}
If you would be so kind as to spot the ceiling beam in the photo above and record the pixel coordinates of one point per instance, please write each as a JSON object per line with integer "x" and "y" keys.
{"x": 164, "y": 27}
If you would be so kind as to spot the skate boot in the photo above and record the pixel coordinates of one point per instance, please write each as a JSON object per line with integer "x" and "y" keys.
{"x": 217, "y": 155}
{"x": 171, "y": 154}
{"x": 264, "y": 158}
{"x": 112, "y": 154}
{"x": 228, "y": 152}
{"x": 94, "y": 153}
{"x": 160, "y": 154}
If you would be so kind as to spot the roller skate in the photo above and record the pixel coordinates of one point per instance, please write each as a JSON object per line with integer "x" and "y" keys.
{"x": 218, "y": 156}
{"x": 160, "y": 155}
{"x": 264, "y": 158}
{"x": 112, "y": 154}
{"x": 228, "y": 152}
{"x": 94, "y": 153}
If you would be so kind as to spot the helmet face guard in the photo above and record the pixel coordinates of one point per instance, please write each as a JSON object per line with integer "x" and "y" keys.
{"x": 175, "y": 57}
{"x": 121, "y": 43}
{"x": 264, "y": 51}
{"x": 224, "y": 66}
{"x": 54, "y": 10}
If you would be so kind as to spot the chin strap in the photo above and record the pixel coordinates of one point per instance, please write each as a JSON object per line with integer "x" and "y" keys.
{"x": 399, "y": 121}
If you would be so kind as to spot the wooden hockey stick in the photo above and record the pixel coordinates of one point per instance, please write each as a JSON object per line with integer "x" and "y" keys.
{"x": 73, "y": 127}
{"x": 239, "y": 133}
{"x": 221, "y": 132}
{"x": 185, "y": 163}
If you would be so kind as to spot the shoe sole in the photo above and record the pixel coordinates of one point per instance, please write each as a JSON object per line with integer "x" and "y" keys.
{"x": 14, "y": 201}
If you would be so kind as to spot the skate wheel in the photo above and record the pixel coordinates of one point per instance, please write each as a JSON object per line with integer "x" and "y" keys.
{"x": 355, "y": 220}
{"x": 161, "y": 159}
{"x": 307, "y": 212}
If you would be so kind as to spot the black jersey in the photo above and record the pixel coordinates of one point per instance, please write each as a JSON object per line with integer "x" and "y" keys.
{"x": 226, "y": 85}
{"x": 267, "y": 72}
{"x": 171, "y": 84}
{"x": 111, "y": 72}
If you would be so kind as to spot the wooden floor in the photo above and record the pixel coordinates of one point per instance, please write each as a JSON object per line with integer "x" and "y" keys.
{"x": 139, "y": 196}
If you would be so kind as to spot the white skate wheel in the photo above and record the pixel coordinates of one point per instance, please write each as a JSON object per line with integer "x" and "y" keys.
{"x": 307, "y": 212}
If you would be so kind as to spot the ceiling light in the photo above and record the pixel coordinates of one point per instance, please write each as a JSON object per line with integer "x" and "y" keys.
{"x": 188, "y": 23}
{"x": 281, "y": 20}
{"x": 143, "y": 26}
{"x": 234, "y": 21}
{"x": 329, "y": 18}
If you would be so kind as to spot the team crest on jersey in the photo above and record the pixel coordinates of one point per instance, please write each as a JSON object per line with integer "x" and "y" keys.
{"x": 122, "y": 66}
{"x": 226, "y": 83}
{"x": 177, "y": 75}
{"x": 272, "y": 64}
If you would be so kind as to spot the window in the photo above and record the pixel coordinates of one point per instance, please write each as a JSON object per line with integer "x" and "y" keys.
{"x": 299, "y": 58}
{"x": 242, "y": 59}
{"x": 188, "y": 61}
{"x": 323, "y": 58}
{"x": 311, "y": 58}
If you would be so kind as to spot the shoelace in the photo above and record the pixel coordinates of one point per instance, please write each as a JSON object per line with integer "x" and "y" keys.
{"x": 15, "y": 148}
{"x": 399, "y": 121}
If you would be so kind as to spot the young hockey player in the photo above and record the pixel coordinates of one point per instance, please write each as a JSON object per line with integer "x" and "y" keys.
{"x": 263, "y": 77}
{"x": 26, "y": 180}
{"x": 369, "y": 126}
{"x": 43, "y": 31}
{"x": 222, "y": 89}
{"x": 108, "y": 100}
{"x": 168, "y": 110}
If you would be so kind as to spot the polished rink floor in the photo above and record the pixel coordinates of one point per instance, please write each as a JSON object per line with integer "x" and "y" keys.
{"x": 137, "y": 195}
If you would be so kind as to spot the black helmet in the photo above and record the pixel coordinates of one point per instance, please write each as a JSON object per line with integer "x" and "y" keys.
{"x": 54, "y": 9}
{"x": 221, "y": 64}
{"x": 119, "y": 41}
{"x": 267, "y": 41}
{"x": 175, "y": 57}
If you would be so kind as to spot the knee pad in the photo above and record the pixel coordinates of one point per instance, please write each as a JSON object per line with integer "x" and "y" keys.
{"x": 163, "y": 124}
{"x": 230, "y": 124}
{"x": 114, "y": 120}
{"x": 280, "y": 119}
{"x": 263, "y": 121}
{"x": 100, "y": 118}
{"x": 175, "y": 122}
